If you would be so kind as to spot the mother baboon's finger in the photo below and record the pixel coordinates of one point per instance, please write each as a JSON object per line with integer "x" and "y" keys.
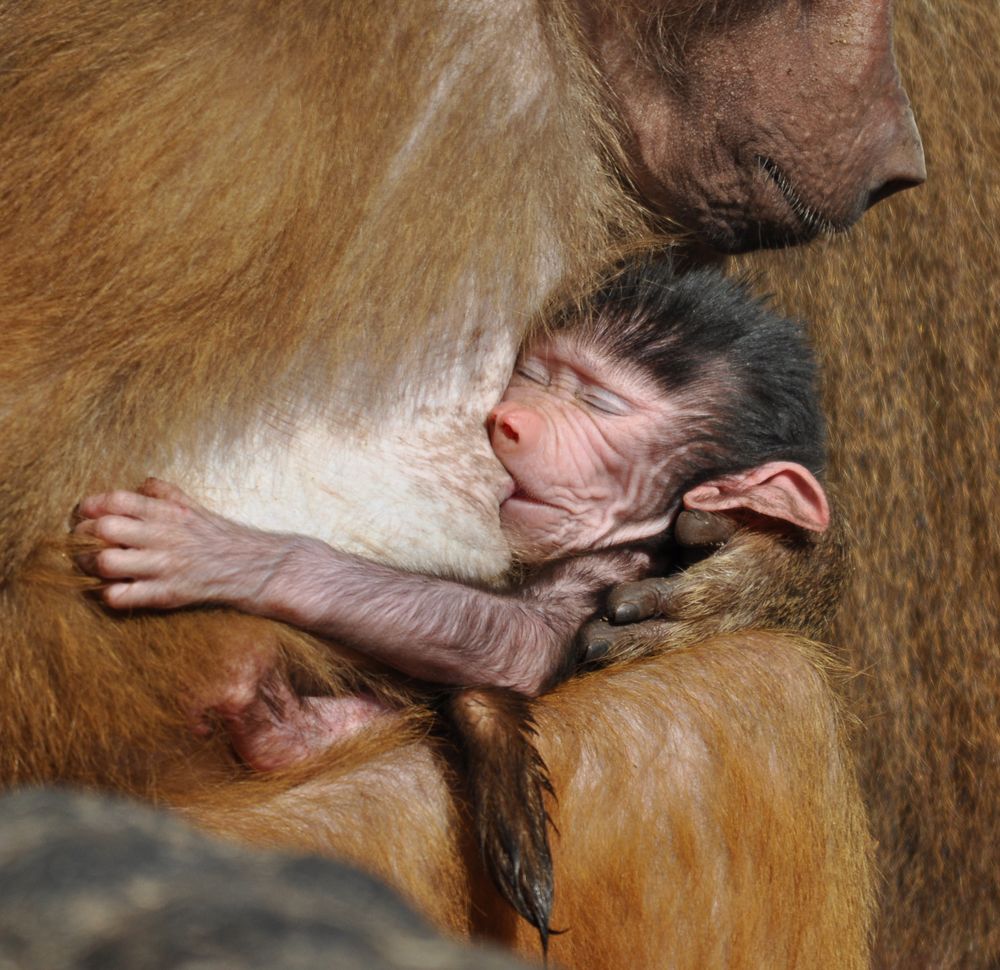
{"x": 697, "y": 529}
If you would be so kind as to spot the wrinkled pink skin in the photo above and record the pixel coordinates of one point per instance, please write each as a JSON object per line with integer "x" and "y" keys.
{"x": 587, "y": 473}
{"x": 269, "y": 725}
{"x": 587, "y": 445}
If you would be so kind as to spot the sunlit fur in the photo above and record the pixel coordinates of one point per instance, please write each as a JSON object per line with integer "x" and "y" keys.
{"x": 906, "y": 316}
{"x": 223, "y": 217}
{"x": 221, "y": 214}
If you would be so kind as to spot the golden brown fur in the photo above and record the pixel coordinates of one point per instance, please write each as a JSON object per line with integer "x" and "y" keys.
{"x": 906, "y": 317}
{"x": 747, "y": 812}
{"x": 185, "y": 253}
{"x": 728, "y": 776}
{"x": 199, "y": 221}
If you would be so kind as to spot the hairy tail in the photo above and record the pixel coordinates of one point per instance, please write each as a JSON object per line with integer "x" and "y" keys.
{"x": 506, "y": 780}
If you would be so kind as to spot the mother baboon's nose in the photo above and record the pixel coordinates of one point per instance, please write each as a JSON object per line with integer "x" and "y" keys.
{"x": 901, "y": 166}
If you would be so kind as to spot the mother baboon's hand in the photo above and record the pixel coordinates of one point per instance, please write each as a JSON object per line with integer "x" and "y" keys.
{"x": 754, "y": 578}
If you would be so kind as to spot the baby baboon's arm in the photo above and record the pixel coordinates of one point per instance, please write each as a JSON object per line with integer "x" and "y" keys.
{"x": 168, "y": 551}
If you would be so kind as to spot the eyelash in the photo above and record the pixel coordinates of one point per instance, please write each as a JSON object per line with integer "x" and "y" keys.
{"x": 583, "y": 395}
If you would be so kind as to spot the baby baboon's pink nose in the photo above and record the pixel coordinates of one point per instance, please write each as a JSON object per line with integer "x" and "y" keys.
{"x": 510, "y": 424}
{"x": 507, "y": 429}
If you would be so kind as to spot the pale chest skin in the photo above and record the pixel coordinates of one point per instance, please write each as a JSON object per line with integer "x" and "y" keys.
{"x": 585, "y": 470}
{"x": 420, "y": 491}
{"x": 419, "y": 487}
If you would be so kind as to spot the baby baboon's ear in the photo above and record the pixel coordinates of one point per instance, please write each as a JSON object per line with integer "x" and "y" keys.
{"x": 779, "y": 489}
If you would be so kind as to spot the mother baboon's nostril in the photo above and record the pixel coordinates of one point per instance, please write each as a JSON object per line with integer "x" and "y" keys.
{"x": 891, "y": 188}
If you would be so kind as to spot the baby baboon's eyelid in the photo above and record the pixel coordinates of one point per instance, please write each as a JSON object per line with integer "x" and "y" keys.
{"x": 534, "y": 371}
{"x": 604, "y": 400}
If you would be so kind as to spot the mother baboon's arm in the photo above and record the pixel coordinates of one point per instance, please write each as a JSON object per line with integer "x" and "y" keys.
{"x": 752, "y": 578}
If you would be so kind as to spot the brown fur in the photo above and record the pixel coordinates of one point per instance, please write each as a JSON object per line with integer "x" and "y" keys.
{"x": 740, "y": 804}
{"x": 906, "y": 318}
{"x": 183, "y": 252}
{"x": 731, "y": 772}
{"x": 195, "y": 215}
{"x": 777, "y": 578}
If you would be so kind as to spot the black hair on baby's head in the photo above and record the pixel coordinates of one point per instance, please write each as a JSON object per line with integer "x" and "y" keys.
{"x": 744, "y": 376}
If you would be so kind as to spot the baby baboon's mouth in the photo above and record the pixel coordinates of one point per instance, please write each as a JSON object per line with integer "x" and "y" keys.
{"x": 507, "y": 489}
{"x": 811, "y": 218}
{"x": 520, "y": 494}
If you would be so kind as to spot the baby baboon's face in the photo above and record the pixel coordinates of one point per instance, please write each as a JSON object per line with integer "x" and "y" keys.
{"x": 583, "y": 439}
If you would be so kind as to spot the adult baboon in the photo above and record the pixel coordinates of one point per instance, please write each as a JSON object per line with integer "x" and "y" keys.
{"x": 659, "y": 393}
{"x": 307, "y": 237}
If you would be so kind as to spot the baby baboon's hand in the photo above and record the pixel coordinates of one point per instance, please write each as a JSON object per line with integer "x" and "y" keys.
{"x": 597, "y": 571}
{"x": 163, "y": 550}
{"x": 577, "y": 586}
{"x": 566, "y": 593}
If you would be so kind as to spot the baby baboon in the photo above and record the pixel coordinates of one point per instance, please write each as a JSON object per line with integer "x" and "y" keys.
{"x": 658, "y": 392}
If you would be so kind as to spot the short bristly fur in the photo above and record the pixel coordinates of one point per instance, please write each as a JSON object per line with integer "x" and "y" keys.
{"x": 906, "y": 318}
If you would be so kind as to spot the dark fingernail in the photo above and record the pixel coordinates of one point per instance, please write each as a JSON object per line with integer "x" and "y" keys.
{"x": 596, "y": 650}
{"x": 695, "y": 528}
{"x": 626, "y": 613}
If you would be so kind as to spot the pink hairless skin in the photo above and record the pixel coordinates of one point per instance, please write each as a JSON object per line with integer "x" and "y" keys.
{"x": 582, "y": 439}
